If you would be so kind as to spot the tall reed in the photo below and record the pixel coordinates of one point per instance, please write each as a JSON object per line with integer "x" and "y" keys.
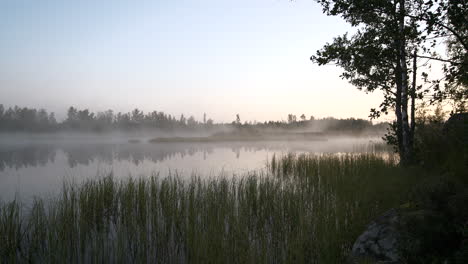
{"x": 303, "y": 209}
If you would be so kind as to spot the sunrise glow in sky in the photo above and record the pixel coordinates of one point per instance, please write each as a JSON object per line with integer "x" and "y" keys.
{"x": 180, "y": 56}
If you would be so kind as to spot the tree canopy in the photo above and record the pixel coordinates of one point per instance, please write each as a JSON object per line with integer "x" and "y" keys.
{"x": 382, "y": 53}
{"x": 24, "y": 119}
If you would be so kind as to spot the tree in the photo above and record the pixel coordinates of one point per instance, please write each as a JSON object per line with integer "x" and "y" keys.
{"x": 72, "y": 114}
{"x": 137, "y": 116}
{"x": 85, "y": 115}
{"x": 448, "y": 20}
{"x": 105, "y": 118}
{"x": 182, "y": 120}
{"x": 52, "y": 119}
{"x": 377, "y": 56}
{"x": 292, "y": 118}
{"x": 191, "y": 122}
{"x": 42, "y": 118}
{"x": 303, "y": 117}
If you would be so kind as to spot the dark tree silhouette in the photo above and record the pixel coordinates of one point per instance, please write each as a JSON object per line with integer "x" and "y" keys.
{"x": 18, "y": 119}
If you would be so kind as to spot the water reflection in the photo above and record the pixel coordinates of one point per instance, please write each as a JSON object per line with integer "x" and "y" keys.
{"x": 17, "y": 156}
{"x": 26, "y": 156}
{"x": 28, "y": 169}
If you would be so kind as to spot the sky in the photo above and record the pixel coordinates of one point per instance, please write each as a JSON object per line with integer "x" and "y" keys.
{"x": 219, "y": 57}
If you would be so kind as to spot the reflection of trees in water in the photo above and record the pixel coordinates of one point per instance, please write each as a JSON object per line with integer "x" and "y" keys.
{"x": 85, "y": 154}
{"x": 26, "y": 156}
{"x": 18, "y": 156}
{"x": 137, "y": 153}
{"x": 237, "y": 152}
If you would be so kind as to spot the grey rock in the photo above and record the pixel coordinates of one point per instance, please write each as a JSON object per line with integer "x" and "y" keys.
{"x": 379, "y": 241}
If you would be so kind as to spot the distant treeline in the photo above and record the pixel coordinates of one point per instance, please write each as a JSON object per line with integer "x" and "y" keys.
{"x": 24, "y": 119}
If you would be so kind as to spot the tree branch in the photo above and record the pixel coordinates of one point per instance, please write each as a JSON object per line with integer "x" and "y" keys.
{"x": 438, "y": 59}
{"x": 458, "y": 36}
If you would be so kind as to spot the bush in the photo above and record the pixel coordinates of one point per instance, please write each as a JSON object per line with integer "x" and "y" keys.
{"x": 437, "y": 230}
{"x": 442, "y": 149}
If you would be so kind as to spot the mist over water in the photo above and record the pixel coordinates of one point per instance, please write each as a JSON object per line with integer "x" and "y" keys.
{"x": 39, "y": 167}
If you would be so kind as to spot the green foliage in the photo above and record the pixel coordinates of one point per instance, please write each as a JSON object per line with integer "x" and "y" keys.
{"x": 376, "y": 56}
{"x": 11, "y": 226}
{"x": 391, "y": 137}
{"x": 436, "y": 231}
{"x": 445, "y": 150}
{"x": 449, "y": 20}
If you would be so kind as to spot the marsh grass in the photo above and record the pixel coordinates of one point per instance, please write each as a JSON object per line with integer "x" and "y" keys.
{"x": 303, "y": 209}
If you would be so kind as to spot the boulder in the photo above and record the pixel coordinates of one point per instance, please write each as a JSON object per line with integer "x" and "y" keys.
{"x": 412, "y": 235}
{"x": 380, "y": 240}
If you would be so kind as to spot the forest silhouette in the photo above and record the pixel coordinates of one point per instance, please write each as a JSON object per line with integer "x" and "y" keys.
{"x": 24, "y": 119}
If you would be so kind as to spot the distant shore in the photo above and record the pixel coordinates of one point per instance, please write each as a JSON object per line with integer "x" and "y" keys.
{"x": 223, "y": 137}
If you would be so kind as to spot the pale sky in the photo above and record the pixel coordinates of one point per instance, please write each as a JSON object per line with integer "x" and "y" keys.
{"x": 178, "y": 56}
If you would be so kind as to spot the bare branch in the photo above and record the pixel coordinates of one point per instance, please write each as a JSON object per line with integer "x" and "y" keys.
{"x": 457, "y": 36}
{"x": 438, "y": 59}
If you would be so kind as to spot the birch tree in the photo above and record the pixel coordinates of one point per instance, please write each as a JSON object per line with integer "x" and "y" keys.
{"x": 377, "y": 56}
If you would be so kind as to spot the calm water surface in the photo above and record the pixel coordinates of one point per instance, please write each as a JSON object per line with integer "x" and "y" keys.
{"x": 31, "y": 168}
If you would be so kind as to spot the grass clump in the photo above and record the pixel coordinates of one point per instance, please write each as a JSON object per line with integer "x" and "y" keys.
{"x": 304, "y": 209}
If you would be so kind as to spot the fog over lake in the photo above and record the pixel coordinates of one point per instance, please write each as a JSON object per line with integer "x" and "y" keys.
{"x": 38, "y": 166}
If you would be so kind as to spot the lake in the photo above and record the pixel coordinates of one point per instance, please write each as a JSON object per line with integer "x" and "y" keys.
{"x": 38, "y": 167}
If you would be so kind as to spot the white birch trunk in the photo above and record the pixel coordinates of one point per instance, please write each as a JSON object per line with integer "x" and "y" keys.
{"x": 405, "y": 156}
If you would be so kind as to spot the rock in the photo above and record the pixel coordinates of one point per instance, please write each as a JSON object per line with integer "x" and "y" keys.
{"x": 379, "y": 242}
{"x": 432, "y": 229}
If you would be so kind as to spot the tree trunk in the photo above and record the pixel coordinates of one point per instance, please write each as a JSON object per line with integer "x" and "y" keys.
{"x": 405, "y": 155}
{"x": 413, "y": 99}
{"x": 398, "y": 107}
{"x": 398, "y": 129}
